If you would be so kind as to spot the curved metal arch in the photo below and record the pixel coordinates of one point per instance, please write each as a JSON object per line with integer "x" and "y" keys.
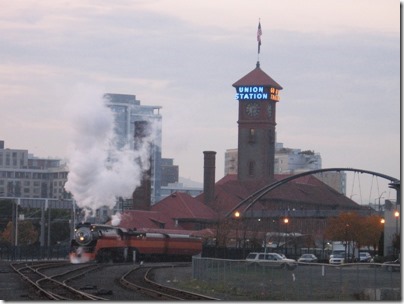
{"x": 260, "y": 193}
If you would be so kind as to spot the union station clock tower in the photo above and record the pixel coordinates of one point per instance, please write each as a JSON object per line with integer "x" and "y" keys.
{"x": 257, "y": 94}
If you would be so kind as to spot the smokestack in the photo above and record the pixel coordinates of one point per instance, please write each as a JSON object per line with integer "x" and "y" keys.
{"x": 209, "y": 176}
{"x": 142, "y": 194}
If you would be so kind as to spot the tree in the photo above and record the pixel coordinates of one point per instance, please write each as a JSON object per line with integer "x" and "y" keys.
{"x": 60, "y": 231}
{"x": 27, "y": 234}
{"x": 350, "y": 227}
{"x": 6, "y": 211}
{"x": 345, "y": 227}
{"x": 373, "y": 228}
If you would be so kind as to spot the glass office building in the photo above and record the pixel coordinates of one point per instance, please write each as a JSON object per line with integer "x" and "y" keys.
{"x": 128, "y": 110}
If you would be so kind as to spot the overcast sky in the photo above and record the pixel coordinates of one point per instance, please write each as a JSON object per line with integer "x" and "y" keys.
{"x": 337, "y": 61}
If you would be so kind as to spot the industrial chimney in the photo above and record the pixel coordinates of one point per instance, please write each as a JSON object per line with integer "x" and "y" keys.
{"x": 142, "y": 194}
{"x": 209, "y": 176}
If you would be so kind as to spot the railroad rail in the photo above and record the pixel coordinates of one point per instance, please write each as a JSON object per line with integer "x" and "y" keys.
{"x": 52, "y": 288}
{"x": 138, "y": 279}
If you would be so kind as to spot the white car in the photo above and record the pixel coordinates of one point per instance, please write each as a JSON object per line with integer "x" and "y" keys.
{"x": 271, "y": 260}
{"x": 308, "y": 258}
{"x": 365, "y": 257}
{"x": 337, "y": 259}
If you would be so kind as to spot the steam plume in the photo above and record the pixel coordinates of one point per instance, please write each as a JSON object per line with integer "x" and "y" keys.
{"x": 99, "y": 172}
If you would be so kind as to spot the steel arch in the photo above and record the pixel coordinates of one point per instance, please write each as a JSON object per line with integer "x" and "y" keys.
{"x": 394, "y": 183}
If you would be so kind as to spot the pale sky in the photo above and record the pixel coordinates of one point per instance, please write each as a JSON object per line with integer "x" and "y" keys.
{"x": 337, "y": 61}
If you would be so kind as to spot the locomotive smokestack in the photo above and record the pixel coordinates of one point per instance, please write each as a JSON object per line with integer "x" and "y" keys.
{"x": 209, "y": 176}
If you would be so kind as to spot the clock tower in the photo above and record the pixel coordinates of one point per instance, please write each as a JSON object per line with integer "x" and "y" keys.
{"x": 257, "y": 96}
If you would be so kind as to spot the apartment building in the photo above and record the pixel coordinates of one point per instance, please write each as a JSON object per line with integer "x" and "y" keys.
{"x": 24, "y": 175}
{"x": 293, "y": 161}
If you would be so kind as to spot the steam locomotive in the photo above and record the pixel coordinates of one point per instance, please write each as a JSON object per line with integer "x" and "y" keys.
{"x": 104, "y": 243}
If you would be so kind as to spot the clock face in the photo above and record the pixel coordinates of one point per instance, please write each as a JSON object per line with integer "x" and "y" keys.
{"x": 269, "y": 110}
{"x": 253, "y": 109}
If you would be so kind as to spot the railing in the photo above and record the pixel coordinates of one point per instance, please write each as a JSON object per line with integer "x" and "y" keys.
{"x": 307, "y": 282}
{"x": 28, "y": 253}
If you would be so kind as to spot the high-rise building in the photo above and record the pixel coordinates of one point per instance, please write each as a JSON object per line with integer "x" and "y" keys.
{"x": 128, "y": 111}
{"x": 293, "y": 161}
{"x": 24, "y": 175}
{"x": 169, "y": 172}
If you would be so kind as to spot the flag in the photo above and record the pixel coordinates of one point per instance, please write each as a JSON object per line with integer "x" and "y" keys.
{"x": 259, "y": 33}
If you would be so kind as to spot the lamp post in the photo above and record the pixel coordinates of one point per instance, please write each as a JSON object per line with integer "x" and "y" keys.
{"x": 16, "y": 222}
{"x": 396, "y": 238}
{"x": 396, "y": 215}
{"x": 286, "y": 221}
{"x": 237, "y": 216}
{"x": 380, "y": 246}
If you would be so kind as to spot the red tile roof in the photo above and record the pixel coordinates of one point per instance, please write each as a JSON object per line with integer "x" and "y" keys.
{"x": 307, "y": 192}
{"x": 131, "y": 219}
{"x": 257, "y": 77}
{"x": 164, "y": 214}
{"x": 180, "y": 205}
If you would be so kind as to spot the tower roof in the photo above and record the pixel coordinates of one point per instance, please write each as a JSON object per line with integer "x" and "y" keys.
{"x": 257, "y": 77}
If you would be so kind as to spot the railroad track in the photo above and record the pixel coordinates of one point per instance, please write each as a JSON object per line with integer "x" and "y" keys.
{"x": 55, "y": 287}
{"x": 138, "y": 279}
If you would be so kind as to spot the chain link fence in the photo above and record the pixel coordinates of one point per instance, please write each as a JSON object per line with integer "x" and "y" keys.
{"x": 307, "y": 282}
{"x": 27, "y": 253}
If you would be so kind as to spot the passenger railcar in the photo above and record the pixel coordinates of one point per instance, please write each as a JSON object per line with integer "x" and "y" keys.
{"x": 104, "y": 243}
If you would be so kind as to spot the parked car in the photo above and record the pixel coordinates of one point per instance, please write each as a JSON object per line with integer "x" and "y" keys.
{"x": 308, "y": 258}
{"x": 337, "y": 259}
{"x": 392, "y": 265}
{"x": 271, "y": 260}
{"x": 365, "y": 257}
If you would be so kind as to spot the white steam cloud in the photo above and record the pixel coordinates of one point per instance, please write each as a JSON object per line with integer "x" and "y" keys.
{"x": 99, "y": 172}
{"x": 116, "y": 219}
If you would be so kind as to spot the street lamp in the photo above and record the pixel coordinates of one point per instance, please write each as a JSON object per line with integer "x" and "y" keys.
{"x": 396, "y": 215}
{"x": 286, "y": 221}
{"x": 237, "y": 216}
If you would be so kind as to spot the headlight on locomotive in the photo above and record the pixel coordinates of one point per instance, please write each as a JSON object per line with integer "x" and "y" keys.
{"x": 83, "y": 235}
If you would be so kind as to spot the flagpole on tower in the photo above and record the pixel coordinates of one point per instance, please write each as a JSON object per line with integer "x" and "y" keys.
{"x": 259, "y": 33}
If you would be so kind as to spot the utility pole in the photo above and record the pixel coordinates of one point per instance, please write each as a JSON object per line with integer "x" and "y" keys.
{"x": 380, "y": 198}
